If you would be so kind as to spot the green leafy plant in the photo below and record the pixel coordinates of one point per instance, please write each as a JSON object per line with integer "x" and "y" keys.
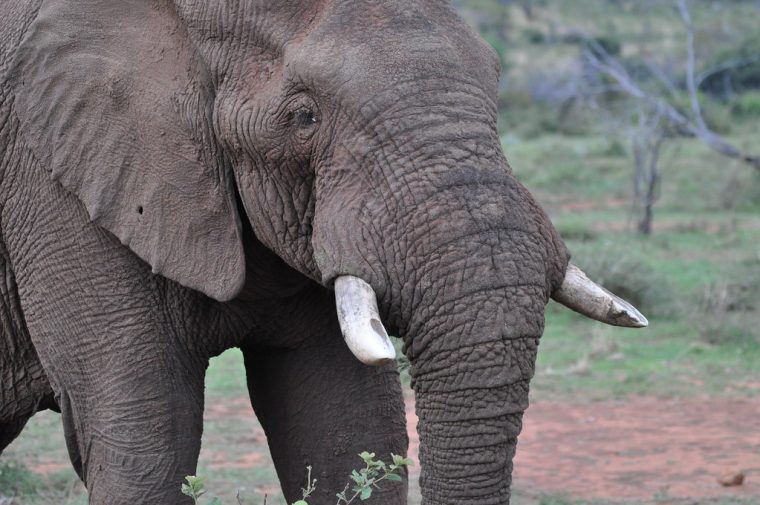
{"x": 364, "y": 481}
{"x": 368, "y": 478}
{"x": 195, "y": 489}
{"x": 16, "y": 480}
{"x": 747, "y": 105}
{"x": 311, "y": 486}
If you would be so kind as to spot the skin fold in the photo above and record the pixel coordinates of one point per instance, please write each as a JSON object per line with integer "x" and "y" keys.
{"x": 182, "y": 177}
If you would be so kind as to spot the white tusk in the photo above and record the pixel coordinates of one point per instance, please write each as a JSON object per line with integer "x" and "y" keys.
{"x": 360, "y": 322}
{"x": 584, "y": 296}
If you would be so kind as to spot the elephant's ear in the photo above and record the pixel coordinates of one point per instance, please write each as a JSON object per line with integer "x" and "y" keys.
{"x": 114, "y": 101}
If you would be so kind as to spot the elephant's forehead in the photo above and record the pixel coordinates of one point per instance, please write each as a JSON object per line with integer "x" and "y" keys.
{"x": 367, "y": 47}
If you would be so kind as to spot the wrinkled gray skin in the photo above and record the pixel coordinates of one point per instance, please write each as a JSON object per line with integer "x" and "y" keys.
{"x": 181, "y": 178}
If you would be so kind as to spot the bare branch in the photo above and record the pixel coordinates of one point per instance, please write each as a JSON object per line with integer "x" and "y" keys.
{"x": 656, "y": 71}
{"x": 683, "y": 8}
{"x": 726, "y": 65}
{"x": 690, "y": 125}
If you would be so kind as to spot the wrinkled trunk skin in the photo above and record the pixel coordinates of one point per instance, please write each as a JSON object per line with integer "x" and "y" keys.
{"x": 472, "y": 334}
{"x": 471, "y": 397}
{"x": 472, "y": 341}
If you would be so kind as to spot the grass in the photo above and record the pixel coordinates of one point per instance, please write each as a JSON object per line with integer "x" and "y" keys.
{"x": 698, "y": 342}
{"x": 236, "y": 436}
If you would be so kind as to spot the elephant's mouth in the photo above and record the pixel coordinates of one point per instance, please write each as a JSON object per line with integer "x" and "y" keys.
{"x": 368, "y": 341}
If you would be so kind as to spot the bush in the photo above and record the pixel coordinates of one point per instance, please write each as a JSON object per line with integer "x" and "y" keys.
{"x": 534, "y": 36}
{"x": 725, "y": 311}
{"x": 626, "y": 271}
{"x": 17, "y": 480}
{"x": 576, "y": 231}
{"x": 741, "y": 78}
{"x": 747, "y": 105}
{"x": 717, "y": 114}
{"x": 362, "y": 482}
{"x": 615, "y": 149}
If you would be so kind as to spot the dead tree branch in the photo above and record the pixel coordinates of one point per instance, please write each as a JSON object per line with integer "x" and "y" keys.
{"x": 689, "y": 124}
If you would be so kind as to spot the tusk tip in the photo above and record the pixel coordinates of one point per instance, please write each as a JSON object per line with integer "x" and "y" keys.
{"x": 623, "y": 313}
{"x": 370, "y": 350}
{"x": 626, "y": 315}
{"x": 379, "y": 361}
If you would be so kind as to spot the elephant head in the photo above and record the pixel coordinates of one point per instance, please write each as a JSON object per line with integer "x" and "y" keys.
{"x": 358, "y": 140}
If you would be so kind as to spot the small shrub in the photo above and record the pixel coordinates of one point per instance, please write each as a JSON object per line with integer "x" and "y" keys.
{"x": 534, "y": 36}
{"x": 615, "y": 149}
{"x": 17, "y": 480}
{"x": 362, "y": 485}
{"x": 747, "y": 105}
{"x": 627, "y": 272}
{"x": 195, "y": 488}
{"x": 725, "y": 311}
{"x": 368, "y": 478}
{"x": 717, "y": 114}
{"x": 576, "y": 231}
{"x": 735, "y": 78}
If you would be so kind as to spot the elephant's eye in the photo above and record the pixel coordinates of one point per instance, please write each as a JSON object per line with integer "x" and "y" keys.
{"x": 304, "y": 118}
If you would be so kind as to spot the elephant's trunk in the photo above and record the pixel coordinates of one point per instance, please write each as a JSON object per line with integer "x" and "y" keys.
{"x": 463, "y": 262}
{"x": 471, "y": 385}
{"x": 472, "y": 338}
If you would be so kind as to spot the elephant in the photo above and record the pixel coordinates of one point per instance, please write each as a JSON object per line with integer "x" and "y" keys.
{"x": 298, "y": 179}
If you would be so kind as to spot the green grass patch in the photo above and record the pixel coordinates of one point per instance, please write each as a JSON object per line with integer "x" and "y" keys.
{"x": 225, "y": 376}
{"x": 699, "y": 284}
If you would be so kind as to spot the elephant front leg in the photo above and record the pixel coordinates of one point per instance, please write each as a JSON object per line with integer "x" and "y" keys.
{"x": 321, "y": 407}
{"x": 132, "y": 414}
{"x": 126, "y": 372}
{"x": 132, "y": 410}
{"x": 134, "y": 441}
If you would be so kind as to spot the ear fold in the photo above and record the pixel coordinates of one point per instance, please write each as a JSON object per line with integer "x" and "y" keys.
{"x": 115, "y": 103}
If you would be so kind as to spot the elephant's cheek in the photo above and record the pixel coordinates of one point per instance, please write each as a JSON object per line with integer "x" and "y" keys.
{"x": 279, "y": 221}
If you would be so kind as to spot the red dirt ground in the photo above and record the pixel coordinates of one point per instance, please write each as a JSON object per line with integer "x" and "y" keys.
{"x": 637, "y": 448}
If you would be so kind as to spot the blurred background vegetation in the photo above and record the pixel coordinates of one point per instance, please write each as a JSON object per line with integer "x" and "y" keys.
{"x": 658, "y": 198}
